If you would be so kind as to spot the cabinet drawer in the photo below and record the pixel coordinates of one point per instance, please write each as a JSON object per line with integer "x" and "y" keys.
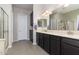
{"x": 73, "y": 42}
{"x": 68, "y": 49}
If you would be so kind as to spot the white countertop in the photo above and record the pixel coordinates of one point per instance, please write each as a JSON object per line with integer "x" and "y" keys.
{"x": 73, "y": 35}
{"x": 2, "y": 39}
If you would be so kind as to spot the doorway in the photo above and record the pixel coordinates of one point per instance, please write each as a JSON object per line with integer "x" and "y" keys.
{"x": 22, "y": 27}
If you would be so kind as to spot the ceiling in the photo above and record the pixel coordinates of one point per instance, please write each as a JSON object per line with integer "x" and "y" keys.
{"x": 24, "y": 6}
{"x": 69, "y": 8}
{"x": 51, "y": 7}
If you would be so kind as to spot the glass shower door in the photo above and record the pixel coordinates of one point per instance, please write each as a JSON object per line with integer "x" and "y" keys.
{"x": 1, "y": 24}
{"x": 6, "y": 29}
{"x": 4, "y": 26}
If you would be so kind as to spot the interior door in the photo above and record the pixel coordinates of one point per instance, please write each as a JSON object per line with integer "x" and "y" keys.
{"x": 22, "y": 27}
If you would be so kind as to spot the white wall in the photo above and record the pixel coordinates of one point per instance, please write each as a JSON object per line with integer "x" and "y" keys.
{"x": 8, "y": 9}
{"x": 38, "y": 9}
{"x": 36, "y": 16}
{"x": 17, "y": 11}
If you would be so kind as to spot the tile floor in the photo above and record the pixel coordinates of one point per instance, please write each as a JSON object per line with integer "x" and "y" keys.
{"x": 25, "y": 48}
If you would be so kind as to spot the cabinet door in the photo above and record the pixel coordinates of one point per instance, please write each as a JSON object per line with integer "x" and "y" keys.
{"x": 46, "y": 42}
{"x": 54, "y": 45}
{"x": 37, "y": 38}
{"x": 70, "y": 47}
{"x": 41, "y": 40}
{"x": 31, "y": 35}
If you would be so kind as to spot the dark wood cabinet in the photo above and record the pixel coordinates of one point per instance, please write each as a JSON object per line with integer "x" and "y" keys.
{"x": 43, "y": 41}
{"x": 70, "y": 47}
{"x": 31, "y": 35}
{"x": 46, "y": 42}
{"x": 40, "y": 39}
{"x": 51, "y": 44}
{"x": 31, "y": 25}
{"x": 37, "y": 38}
{"x": 54, "y": 45}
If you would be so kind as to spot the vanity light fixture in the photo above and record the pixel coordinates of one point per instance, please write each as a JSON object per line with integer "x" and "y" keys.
{"x": 46, "y": 13}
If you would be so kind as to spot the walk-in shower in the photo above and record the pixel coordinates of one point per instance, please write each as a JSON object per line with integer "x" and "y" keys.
{"x": 4, "y": 27}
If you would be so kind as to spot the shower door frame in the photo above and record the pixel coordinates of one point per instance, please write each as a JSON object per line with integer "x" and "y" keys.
{"x": 7, "y": 27}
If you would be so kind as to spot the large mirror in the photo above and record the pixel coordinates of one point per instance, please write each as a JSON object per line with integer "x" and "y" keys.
{"x": 42, "y": 23}
{"x": 65, "y": 18}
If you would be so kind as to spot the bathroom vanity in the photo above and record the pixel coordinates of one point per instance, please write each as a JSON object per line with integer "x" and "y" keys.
{"x": 58, "y": 44}
{"x": 61, "y": 36}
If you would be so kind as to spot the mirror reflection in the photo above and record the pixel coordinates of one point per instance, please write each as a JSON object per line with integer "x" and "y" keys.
{"x": 65, "y": 18}
{"x": 42, "y": 23}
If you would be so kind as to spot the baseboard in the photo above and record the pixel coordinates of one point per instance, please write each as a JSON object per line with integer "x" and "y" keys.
{"x": 7, "y": 49}
{"x": 34, "y": 43}
{"x": 19, "y": 40}
{"x": 9, "y": 46}
{"x": 15, "y": 41}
